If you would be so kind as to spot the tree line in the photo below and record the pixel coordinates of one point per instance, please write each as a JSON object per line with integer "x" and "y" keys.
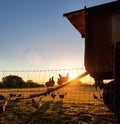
{"x": 14, "y": 81}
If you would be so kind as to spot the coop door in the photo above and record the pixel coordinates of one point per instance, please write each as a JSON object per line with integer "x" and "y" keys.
{"x": 116, "y": 28}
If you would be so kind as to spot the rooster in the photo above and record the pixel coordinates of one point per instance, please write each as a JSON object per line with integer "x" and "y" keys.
{"x": 36, "y": 104}
{"x": 62, "y": 79}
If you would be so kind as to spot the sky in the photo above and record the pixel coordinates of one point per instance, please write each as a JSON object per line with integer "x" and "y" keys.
{"x": 35, "y": 35}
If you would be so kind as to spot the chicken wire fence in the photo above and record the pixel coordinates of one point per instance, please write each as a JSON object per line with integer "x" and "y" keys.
{"x": 79, "y": 99}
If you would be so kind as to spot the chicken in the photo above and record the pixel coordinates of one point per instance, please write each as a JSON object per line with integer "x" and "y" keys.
{"x": 12, "y": 95}
{"x": 53, "y": 95}
{"x": 19, "y": 95}
{"x": 62, "y": 79}
{"x": 95, "y": 97}
{"x": 101, "y": 96}
{"x": 3, "y": 103}
{"x": 51, "y": 82}
{"x": 36, "y": 104}
{"x": 62, "y": 95}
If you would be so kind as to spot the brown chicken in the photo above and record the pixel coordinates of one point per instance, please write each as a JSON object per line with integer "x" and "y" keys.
{"x": 53, "y": 95}
{"x": 37, "y": 103}
{"x": 50, "y": 83}
{"x": 62, "y": 95}
{"x": 63, "y": 79}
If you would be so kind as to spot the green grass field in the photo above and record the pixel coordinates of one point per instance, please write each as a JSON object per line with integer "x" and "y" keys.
{"x": 77, "y": 107}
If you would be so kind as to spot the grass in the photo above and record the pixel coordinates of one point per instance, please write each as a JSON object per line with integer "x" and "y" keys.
{"x": 78, "y": 107}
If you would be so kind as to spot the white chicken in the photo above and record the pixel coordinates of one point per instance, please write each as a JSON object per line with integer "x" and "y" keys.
{"x": 3, "y": 103}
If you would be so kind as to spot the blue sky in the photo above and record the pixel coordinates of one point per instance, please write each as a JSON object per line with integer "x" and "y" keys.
{"x": 35, "y": 35}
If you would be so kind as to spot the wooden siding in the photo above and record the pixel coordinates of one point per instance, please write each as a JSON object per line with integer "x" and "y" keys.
{"x": 96, "y": 24}
{"x": 99, "y": 49}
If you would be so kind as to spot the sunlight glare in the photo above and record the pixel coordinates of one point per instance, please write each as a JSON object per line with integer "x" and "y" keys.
{"x": 72, "y": 75}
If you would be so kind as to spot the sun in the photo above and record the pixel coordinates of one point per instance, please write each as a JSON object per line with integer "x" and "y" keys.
{"x": 72, "y": 75}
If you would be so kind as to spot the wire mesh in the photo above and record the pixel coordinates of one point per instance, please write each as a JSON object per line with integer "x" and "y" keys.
{"x": 81, "y": 102}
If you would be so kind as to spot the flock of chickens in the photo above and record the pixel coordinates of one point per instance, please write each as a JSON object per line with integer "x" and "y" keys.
{"x": 36, "y": 103}
{"x": 106, "y": 96}
{"x": 62, "y": 79}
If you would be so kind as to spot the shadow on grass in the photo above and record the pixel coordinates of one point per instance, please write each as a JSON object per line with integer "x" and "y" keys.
{"x": 51, "y": 112}
{"x": 58, "y": 107}
{"x": 41, "y": 116}
{"x": 22, "y": 113}
{"x": 45, "y": 106}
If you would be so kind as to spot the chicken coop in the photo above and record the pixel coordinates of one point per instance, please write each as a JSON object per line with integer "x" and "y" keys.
{"x": 100, "y": 27}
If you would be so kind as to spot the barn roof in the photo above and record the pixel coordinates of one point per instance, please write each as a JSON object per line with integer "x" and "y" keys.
{"x": 77, "y": 18}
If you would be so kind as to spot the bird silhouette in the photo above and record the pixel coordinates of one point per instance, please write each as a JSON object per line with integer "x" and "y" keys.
{"x": 62, "y": 95}
{"x": 50, "y": 83}
{"x": 62, "y": 79}
{"x": 12, "y": 94}
{"x": 19, "y": 95}
{"x": 53, "y": 95}
{"x": 95, "y": 97}
{"x": 101, "y": 96}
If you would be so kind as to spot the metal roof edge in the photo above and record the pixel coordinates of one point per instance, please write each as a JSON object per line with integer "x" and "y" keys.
{"x": 105, "y": 4}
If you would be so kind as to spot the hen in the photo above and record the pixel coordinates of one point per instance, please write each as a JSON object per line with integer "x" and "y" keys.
{"x": 36, "y": 103}
{"x": 12, "y": 95}
{"x": 51, "y": 82}
{"x": 63, "y": 79}
{"x": 53, "y": 95}
{"x": 3, "y": 103}
{"x": 62, "y": 95}
{"x": 94, "y": 96}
